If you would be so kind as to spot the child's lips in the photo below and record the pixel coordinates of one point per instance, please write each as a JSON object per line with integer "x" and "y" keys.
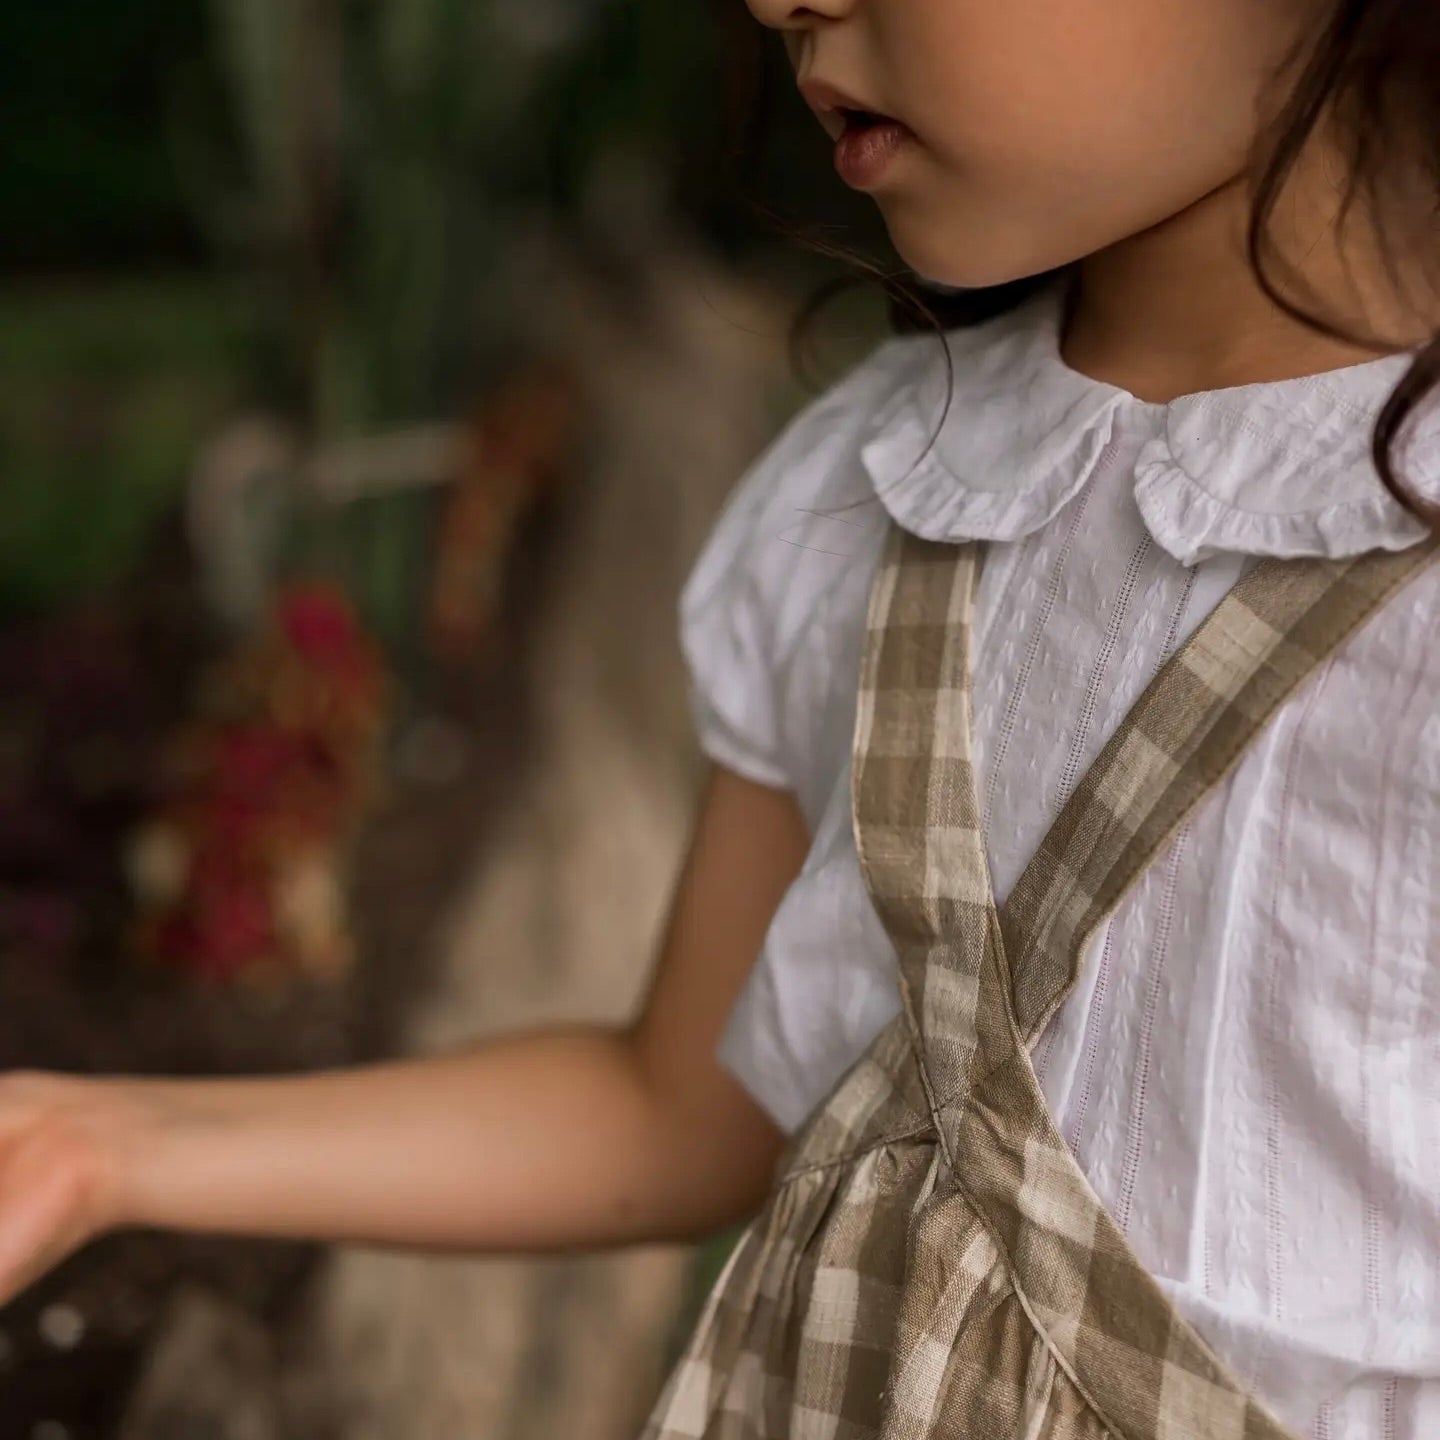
{"x": 864, "y": 153}
{"x": 834, "y": 107}
{"x": 866, "y": 139}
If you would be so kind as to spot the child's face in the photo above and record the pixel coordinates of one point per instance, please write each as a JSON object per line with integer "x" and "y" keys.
{"x": 1043, "y": 130}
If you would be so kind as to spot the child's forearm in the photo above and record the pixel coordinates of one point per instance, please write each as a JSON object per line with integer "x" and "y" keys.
{"x": 531, "y": 1143}
{"x": 571, "y": 1138}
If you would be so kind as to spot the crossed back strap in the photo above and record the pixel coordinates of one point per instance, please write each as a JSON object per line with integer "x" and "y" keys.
{"x": 917, "y": 819}
{"x": 1273, "y": 631}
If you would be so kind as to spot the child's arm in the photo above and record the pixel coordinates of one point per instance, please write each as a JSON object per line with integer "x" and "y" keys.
{"x": 571, "y": 1137}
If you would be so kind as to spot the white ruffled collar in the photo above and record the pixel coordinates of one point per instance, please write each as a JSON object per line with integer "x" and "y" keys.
{"x": 1279, "y": 469}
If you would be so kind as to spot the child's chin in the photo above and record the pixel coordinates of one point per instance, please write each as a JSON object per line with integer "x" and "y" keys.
{"x": 963, "y": 260}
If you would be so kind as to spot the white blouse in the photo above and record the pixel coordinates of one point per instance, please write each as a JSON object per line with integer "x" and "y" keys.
{"x": 1249, "y": 1070}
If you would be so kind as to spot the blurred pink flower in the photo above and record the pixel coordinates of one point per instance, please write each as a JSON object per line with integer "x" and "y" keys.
{"x": 251, "y": 760}
{"x": 318, "y": 621}
{"x": 270, "y": 795}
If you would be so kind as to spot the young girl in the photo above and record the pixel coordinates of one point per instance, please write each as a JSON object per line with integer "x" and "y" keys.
{"x": 1054, "y": 967}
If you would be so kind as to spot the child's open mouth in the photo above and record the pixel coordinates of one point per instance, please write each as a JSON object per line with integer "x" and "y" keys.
{"x": 865, "y": 140}
{"x": 866, "y": 146}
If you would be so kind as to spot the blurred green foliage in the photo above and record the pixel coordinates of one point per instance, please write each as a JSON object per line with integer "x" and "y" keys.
{"x": 312, "y": 206}
{"x": 383, "y": 157}
{"x": 87, "y": 86}
{"x": 105, "y": 392}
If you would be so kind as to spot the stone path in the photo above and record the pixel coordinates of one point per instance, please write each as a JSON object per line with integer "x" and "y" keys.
{"x": 561, "y": 916}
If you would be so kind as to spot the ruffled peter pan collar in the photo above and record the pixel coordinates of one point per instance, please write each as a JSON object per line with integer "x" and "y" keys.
{"x": 1279, "y": 469}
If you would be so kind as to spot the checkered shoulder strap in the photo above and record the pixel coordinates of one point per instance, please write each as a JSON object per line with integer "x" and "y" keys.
{"x": 917, "y": 823}
{"x": 1274, "y": 629}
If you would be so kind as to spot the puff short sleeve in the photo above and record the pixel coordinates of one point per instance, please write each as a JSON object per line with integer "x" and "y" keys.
{"x": 748, "y": 613}
{"x": 727, "y": 639}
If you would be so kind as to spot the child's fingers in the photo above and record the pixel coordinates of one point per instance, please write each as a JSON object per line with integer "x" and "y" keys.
{"x": 43, "y": 1203}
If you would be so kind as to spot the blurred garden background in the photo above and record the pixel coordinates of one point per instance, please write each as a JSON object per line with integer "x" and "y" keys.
{"x": 370, "y": 372}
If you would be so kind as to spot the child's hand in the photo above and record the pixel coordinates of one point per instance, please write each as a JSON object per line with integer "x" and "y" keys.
{"x": 57, "y": 1137}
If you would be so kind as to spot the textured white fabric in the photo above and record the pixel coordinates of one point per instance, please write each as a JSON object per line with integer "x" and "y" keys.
{"x": 1249, "y": 1071}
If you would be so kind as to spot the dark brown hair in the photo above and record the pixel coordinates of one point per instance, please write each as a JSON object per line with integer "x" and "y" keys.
{"x": 1372, "y": 68}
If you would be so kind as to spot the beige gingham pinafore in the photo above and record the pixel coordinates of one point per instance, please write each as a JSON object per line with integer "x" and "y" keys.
{"x": 932, "y": 1262}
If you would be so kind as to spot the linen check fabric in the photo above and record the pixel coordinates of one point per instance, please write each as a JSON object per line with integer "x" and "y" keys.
{"x": 932, "y": 1263}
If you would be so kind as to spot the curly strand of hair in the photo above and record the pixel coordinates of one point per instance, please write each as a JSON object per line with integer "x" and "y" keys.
{"x": 1353, "y": 69}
